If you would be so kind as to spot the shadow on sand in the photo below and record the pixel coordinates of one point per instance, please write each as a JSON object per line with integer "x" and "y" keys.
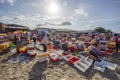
{"x": 37, "y": 71}
{"x": 109, "y": 74}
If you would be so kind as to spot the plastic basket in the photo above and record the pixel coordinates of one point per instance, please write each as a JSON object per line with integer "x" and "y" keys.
{"x": 42, "y": 59}
{"x": 80, "y": 66}
{"x": 99, "y": 66}
{"x": 73, "y": 59}
{"x": 23, "y": 49}
{"x": 110, "y": 52}
{"x": 54, "y": 57}
{"x": 67, "y": 57}
{"x": 109, "y": 65}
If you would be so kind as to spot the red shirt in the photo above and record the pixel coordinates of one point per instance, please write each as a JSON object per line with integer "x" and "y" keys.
{"x": 116, "y": 40}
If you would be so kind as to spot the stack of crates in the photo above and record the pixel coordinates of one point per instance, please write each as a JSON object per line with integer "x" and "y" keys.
{"x": 103, "y": 45}
{"x": 111, "y": 45}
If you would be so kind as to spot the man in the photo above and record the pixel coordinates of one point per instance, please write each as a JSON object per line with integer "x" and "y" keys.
{"x": 34, "y": 38}
{"x": 117, "y": 43}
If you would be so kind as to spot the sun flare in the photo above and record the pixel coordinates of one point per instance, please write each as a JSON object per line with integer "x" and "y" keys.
{"x": 53, "y": 8}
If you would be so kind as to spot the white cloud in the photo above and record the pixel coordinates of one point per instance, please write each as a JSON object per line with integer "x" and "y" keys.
{"x": 2, "y": 1}
{"x": 2, "y": 18}
{"x": 81, "y": 12}
{"x": 0, "y": 12}
{"x": 35, "y": 4}
{"x": 104, "y": 20}
{"x": 78, "y": 14}
{"x": 116, "y": 31}
{"x": 9, "y": 1}
{"x": 51, "y": 0}
{"x": 44, "y": 21}
{"x": 89, "y": 27}
{"x": 65, "y": 3}
{"x": 20, "y": 17}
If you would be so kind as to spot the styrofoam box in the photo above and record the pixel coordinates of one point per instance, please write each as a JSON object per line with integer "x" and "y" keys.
{"x": 88, "y": 60}
{"x": 81, "y": 66}
{"x": 59, "y": 52}
{"x": 37, "y": 46}
{"x": 88, "y": 63}
{"x": 67, "y": 57}
{"x": 37, "y": 42}
{"x": 54, "y": 56}
{"x": 40, "y": 53}
{"x": 81, "y": 56}
{"x": 99, "y": 66}
{"x": 85, "y": 60}
{"x": 31, "y": 44}
{"x": 13, "y": 50}
{"x": 81, "y": 52}
{"x": 109, "y": 65}
{"x": 8, "y": 44}
{"x": 13, "y": 61}
{"x": 30, "y": 51}
{"x": 43, "y": 59}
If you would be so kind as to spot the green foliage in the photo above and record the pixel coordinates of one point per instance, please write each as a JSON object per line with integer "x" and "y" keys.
{"x": 108, "y": 31}
{"x": 102, "y": 30}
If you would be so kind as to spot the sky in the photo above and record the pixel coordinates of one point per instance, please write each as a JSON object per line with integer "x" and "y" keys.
{"x": 65, "y": 14}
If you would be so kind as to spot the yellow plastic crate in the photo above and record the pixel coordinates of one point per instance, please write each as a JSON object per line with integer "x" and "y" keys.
{"x": 42, "y": 55}
{"x": 23, "y": 49}
{"x": 4, "y": 46}
{"x": 10, "y": 42}
{"x": 1, "y": 48}
{"x": 111, "y": 45}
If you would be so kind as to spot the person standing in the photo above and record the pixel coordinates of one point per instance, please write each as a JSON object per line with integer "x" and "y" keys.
{"x": 117, "y": 43}
{"x": 15, "y": 39}
{"x": 34, "y": 38}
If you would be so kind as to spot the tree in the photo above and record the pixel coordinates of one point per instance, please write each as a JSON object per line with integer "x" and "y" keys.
{"x": 108, "y": 31}
{"x": 100, "y": 29}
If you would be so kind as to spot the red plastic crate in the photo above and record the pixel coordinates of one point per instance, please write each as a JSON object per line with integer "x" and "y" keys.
{"x": 31, "y": 48}
{"x": 110, "y": 52}
{"x": 73, "y": 60}
{"x": 32, "y": 55}
{"x": 54, "y": 48}
{"x": 102, "y": 53}
{"x": 54, "y": 60}
{"x": 54, "y": 57}
{"x": 72, "y": 49}
{"x": 64, "y": 54}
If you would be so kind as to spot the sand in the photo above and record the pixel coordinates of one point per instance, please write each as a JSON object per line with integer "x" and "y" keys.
{"x": 34, "y": 70}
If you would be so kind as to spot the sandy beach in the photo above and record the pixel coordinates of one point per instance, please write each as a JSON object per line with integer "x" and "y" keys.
{"x": 34, "y": 70}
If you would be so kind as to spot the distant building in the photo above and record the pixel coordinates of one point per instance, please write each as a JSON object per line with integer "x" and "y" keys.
{"x": 14, "y": 27}
{"x": 47, "y": 30}
{"x": 2, "y": 28}
{"x": 52, "y": 30}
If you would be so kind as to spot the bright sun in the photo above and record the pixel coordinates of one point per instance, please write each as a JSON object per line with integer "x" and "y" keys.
{"x": 53, "y": 8}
